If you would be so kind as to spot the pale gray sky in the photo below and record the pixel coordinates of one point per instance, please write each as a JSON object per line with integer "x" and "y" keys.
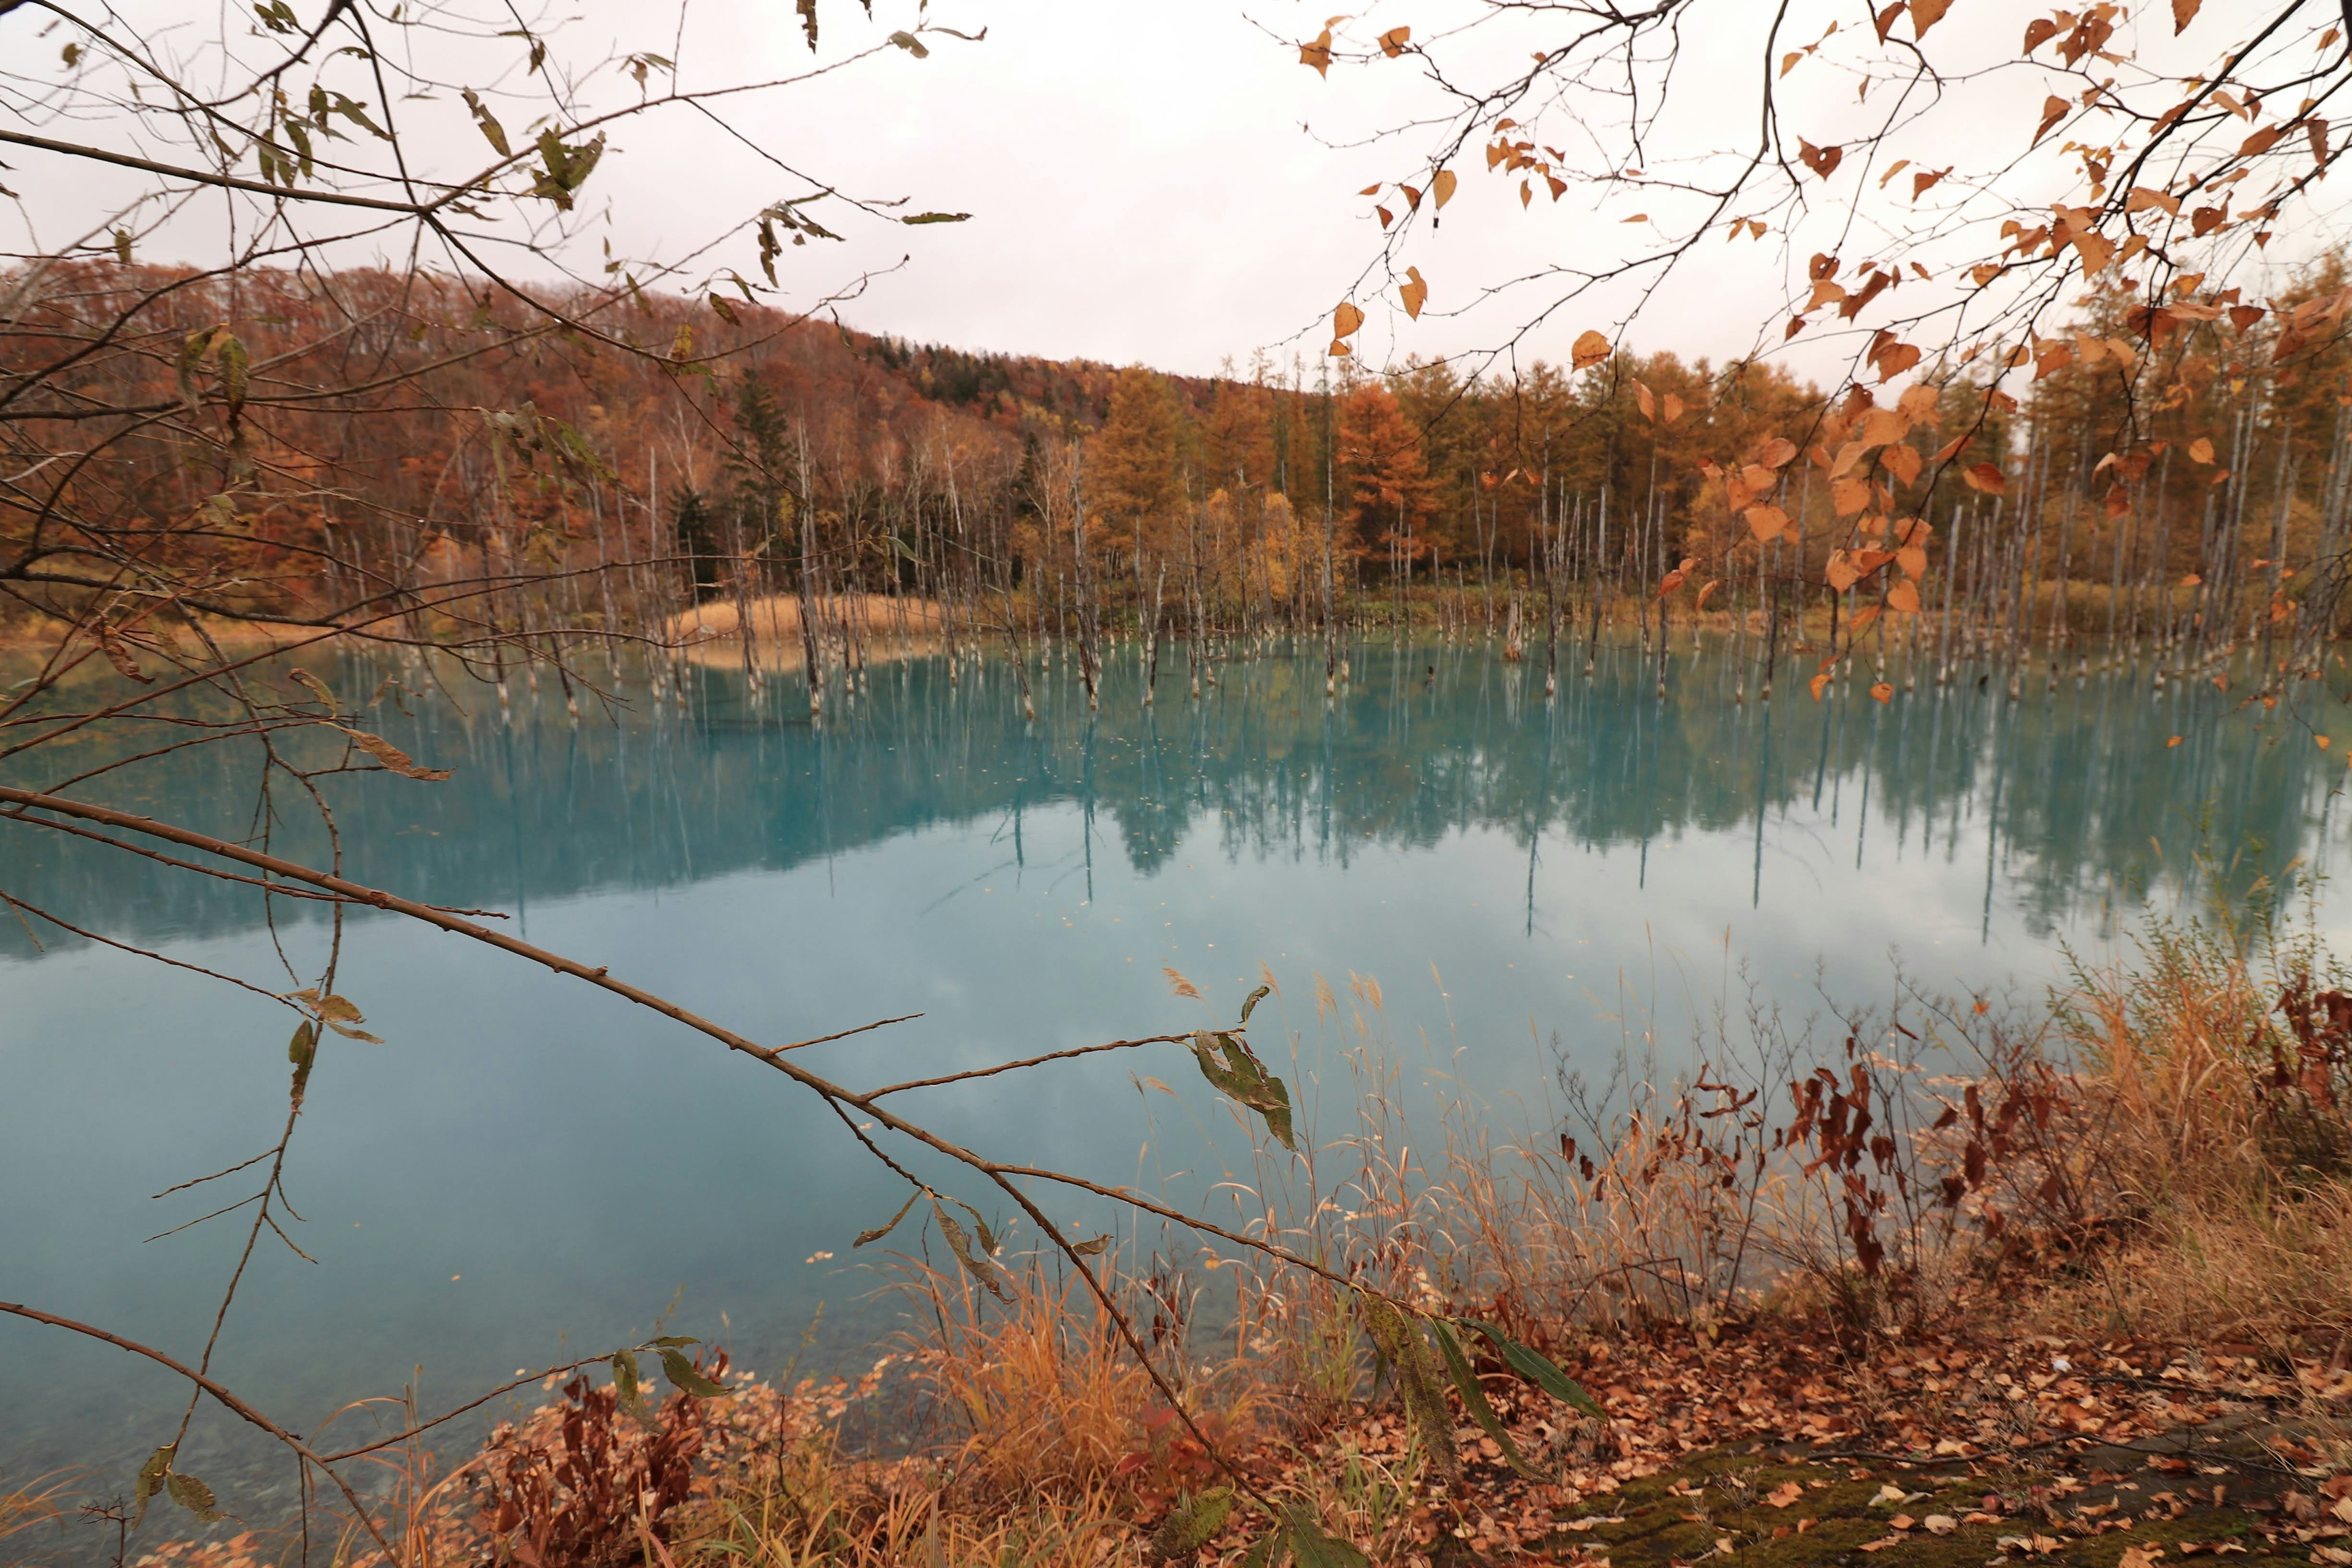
{"x": 1166, "y": 183}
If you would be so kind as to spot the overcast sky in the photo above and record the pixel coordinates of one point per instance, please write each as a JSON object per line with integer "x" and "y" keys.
{"x": 1162, "y": 180}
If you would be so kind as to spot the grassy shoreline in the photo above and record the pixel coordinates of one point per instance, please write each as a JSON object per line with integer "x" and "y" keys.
{"x": 2052, "y": 1278}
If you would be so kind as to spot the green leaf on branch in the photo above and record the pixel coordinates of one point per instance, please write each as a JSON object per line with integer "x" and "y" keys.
{"x": 303, "y": 1047}
{"x": 670, "y": 1341}
{"x": 937, "y": 218}
{"x": 1090, "y": 1249}
{"x": 195, "y": 1496}
{"x": 1191, "y": 1524}
{"x": 1249, "y": 1003}
{"x": 1397, "y": 1336}
{"x": 912, "y": 45}
{"x": 1235, "y": 1070}
{"x": 492, "y": 131}
{"x": 688, "y": 1378}
{"x": 1539, "y": 1369}
{"x": 878, "y": 1232}
{"x": 150, "y": 1480}
{"x": 1473, "y": 1399}
{"x": 627, "y": 1391}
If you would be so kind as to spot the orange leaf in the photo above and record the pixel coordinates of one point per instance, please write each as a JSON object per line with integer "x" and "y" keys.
{"x": 1882, "y": 692}
{"x": 1777, "y": 453}
{"x": 1645, "y": 403}
{"x": 1415, "y": 292}
{"x": 1766, "y": 522}
{"x": 1441, "y": 187}
{"x": 2053, "y": 110}
{"x": 1317, "y": 54}
{"x": 1670, "y": 408}
{"x": 2183, "y": 13}
{"x": 1346, "y": 319}
{"x": 1393, "y": 41}
{"x": 1822, "y": 161}
{"x": 1713, "y": 584}
{"x": 2200, "y": 451}
{"x": 2172, "y": 742}
{"x": 1903, "y": 462}
{"x": 1589, "y": 349}
{"x": 1817, "y": 682}
{"x": 1903, "y": 598}
{"x": 1849, "y": 495}
{"x": 1987, "y": 478}
{"x": 1926, "y": 14}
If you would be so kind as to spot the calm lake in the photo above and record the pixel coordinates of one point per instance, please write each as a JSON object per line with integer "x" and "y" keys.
{"x": 527, "y": 1169}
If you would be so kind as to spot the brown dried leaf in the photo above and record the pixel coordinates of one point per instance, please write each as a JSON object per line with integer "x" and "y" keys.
{"x": 390, "y": 757}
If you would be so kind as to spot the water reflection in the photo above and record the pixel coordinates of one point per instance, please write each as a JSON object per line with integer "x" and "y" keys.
{"x": 2074, "y": 797}
{"x": 527, "y": 1166}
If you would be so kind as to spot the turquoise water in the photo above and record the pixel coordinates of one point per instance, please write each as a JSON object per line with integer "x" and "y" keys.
{"x": 527, "y": 1167}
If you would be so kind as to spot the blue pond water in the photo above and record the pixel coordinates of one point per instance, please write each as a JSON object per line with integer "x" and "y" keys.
{"x": 527, "y": 1167}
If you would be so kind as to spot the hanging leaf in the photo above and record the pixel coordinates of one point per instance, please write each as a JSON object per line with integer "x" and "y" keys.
{"x": 314, "y": 685}
{"x": 303, "y": 1047}
{"x": 1473, "y": 1400}
{"x": 1822, "y": 161}
{"x": 627, "y": 1391}
{"x": 2183, "y": 13}
{"x": 195, "y": 1496}
{"x": 975, "y": 1263}
{"x": 912, "y": 45}
{"x": 1250, "y": 1001}
{"x": 1589, "y": 350}
{"x": 1415, "y": 292}
{"x": 1402, "y": 1346}
{"x": 1235, "y": 1070}
{"x": 807, "y": 9}
{"x": 1987, "y": 478}
{"x": 392, "y": 757}
{"x": 1317, "y": 54}
{"x": 687, "y": 1377}
{"x": 1535, "y": 1366}
{"x": 2053, "y": 110}
{"x": 1393, "y": 41}
{"x": 1191, "y": 1524}
{"x": 150, "y": 1479}
{"x": 492, "y": 131}
{"x": 880, "y": 1231}
{"x": 1441, "y": 187}
{"x": 1926, "y": 14}
{"x": 1346, "y": 319}
{"x": 230, "y": 349}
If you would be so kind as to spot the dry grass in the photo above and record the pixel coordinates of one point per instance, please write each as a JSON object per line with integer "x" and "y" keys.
{"x": 887, "y": 627}
{"x": 2218, "y": 1138}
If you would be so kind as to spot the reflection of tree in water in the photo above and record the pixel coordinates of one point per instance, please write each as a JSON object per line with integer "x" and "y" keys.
{"x": 2087, "y": 802}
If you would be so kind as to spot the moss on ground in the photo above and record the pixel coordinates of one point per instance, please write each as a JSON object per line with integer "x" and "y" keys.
{"x": 1735, "y": 1507}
